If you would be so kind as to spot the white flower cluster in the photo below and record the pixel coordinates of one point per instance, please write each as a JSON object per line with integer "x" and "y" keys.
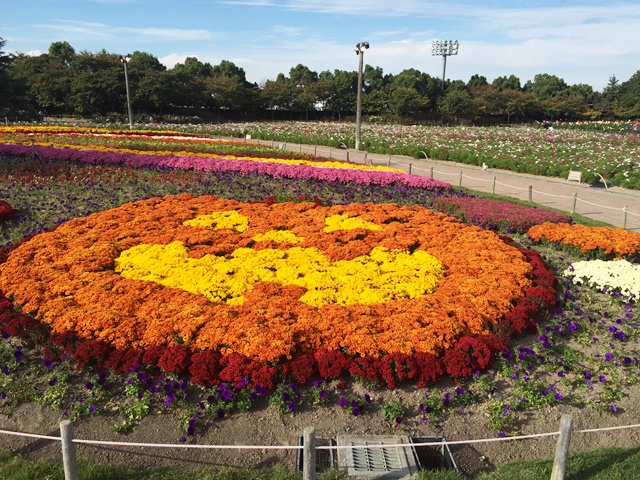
{"x": 618, "y": 275}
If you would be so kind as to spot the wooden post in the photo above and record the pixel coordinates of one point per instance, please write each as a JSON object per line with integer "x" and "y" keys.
{"x": 493, "y": 188}
{"x": 531, "y": 193}
{"x": 309, "y": 454}
{"x": 68, "y": 451}
{"x": 624, "y": 216}
{"x": 573, "y": 209}
{"x": 431, "y": 173}
{"x": 365, "y": 156}
{"x": 329, "y": 153}
{"x": 409, "y": 168}
{"x": 562, "y": 448}
{"x": 460, "y": 183}
{"x": 389, "y": 162}
{"x": 315, "y": 150}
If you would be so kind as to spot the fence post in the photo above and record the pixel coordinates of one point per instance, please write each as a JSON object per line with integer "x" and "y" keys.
{"x": 409, "y": 168}
{"x": 431, "y": 173}
{"x": 389, "y": 162}
{"x": 315, "y": 150}
{"x": 493, "y": 189}
{"x": 365, "y": 156}
{"x": 624, "y": 216}
{"x": 562, "y": 448}
{"x": 460, "y": 183}
{"x": 309, "y": 454}
{"x": 575, "y": 197}
{"x": 531, "y": 193}
{"x": 68, "y": 451}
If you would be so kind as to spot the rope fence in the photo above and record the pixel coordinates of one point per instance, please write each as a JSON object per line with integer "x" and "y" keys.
{"x": 625, "y": 210}
{"x": 345, "y": 154}
{"x": 309, "y": 446}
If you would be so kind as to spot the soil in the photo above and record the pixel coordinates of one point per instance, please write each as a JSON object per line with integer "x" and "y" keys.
{"x": 265, "y": 426}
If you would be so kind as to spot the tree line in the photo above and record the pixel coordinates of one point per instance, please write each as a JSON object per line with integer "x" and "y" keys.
{"x": 65, "y": 82}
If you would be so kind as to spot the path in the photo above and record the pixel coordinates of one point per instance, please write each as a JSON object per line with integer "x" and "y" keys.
{"x": 616, "y": 206}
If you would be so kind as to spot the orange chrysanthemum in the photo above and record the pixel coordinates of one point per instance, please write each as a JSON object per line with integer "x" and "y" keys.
{"x": 68, "y": 279}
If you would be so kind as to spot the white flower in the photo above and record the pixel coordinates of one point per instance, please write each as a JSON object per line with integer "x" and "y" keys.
{"x": 618, "y": 275}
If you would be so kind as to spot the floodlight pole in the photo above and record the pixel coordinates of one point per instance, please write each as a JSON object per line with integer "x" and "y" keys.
{"x": 360, "y": 48}
{"x": 446, "y": 48}
{"x": 126, "y": 59}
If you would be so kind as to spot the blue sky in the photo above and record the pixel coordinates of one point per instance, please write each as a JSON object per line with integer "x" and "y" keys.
{"x": 581, "y": 41}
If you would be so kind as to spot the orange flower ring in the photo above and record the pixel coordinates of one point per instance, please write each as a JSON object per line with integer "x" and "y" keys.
{"x": 68, "y": 279}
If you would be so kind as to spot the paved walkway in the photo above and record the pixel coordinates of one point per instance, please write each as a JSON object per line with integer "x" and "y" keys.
{"x": 616, "y": 206}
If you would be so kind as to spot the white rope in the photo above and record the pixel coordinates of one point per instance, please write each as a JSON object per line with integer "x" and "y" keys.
{"x": 444, "y": 442}
{"x": 184, "y": 445}
{"x": 477, "y": 179}
{"x": 551, "y": 194}
{"x": 511, "y": 186}
{"x": 596, "y": 205}
{"x": 32, "y": 435}
{"x": 297, "y": 447}
{"x": 621, "y": 427}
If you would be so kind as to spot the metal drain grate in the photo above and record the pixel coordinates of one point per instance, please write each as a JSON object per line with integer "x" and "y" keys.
{"x": 379, "y": 461}
{"x": 375, "y": 459}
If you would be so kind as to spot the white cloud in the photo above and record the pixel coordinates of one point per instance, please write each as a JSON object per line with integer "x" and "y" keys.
{"x": 286, "y": 30}
{"x": 93, "y": 28}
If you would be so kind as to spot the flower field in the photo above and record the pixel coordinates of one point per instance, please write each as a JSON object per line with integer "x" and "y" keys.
{"x": 551, "y": 153}
{"x": 151, "y": 270}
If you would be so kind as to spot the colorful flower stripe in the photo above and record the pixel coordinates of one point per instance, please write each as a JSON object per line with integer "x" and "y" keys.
{"x": 61, "y": 129}
{"x": 612, "y": 241}
{"x": 164, "y": 145}
{"x": 362, "y": 177}
{"x": 66, "y": 277}
{"x": 497, "y": 215}
{"x": 229, "y": 156}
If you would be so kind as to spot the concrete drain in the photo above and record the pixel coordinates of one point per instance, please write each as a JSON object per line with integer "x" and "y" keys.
{"x": 378, "y": 461}
{"x": 370, "y": 458}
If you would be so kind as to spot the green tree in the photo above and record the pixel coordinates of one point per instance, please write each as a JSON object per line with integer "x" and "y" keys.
{"x": 507, "y": 83}
{"x": 229, "y": 69}
{"x": 629, "y": 97}
{"x": 340, "y": 91}
{"x": 47, "y": 82}
{"x": 477, "y": 81}
{"x": 405, "y": 101}
{"x": 277, "y": 95}
{"x": 303, "y": 80}
{"x": 458, "y": 103}
{"x": 98, "y": 84}
{"x": 545, "y": 86}
{"x": 62, "y": 51}
{"x": 189, "y": 79}
{"x": 7, "y": 83}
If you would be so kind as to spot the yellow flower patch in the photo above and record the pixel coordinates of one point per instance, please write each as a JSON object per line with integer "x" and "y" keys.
{"x": 380, "y": 277}
{"x": 344, "y": 222}
{"x": 218, "y": 220}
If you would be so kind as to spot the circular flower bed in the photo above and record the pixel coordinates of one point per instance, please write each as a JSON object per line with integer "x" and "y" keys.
{"x": 270, "y": 283}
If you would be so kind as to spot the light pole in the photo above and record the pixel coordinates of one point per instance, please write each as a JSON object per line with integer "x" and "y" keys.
{"x": 360, "y": 48}
{"x": 126, "y": 59}
{"x": 446, "y": 48}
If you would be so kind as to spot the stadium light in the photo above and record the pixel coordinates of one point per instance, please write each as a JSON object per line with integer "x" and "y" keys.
{"x": 360, "y": 48}
{"x": 444, "y": 49}
{"x": 125, "y": 60}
